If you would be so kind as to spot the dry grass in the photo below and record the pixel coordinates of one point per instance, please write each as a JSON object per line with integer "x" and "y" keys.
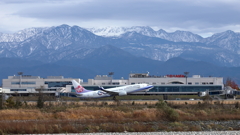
{"x": 75, "y": 117}
{"x": 22, "y": 114}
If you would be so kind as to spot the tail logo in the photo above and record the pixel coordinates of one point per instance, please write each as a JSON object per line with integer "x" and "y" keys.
{"x": 79, "y": 89}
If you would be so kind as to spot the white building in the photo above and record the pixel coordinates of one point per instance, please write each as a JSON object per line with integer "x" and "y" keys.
{"x": 26, "y": 84}
{"x": 154, "y": 80}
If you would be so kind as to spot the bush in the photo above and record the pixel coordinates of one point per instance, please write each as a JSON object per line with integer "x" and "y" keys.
{"x": 10, "y": 103}
{"x": 133, "y": 103}
{"x": 236, "y": 105}
{"x": 40, "y": 102}
{"x": 171, "y": 114}
{"x": 161, "y": 104}
{"x": 18, "y": 104}
{"x": 168, "y": 112}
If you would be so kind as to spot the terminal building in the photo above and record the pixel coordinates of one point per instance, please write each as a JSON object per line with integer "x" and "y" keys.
{"x": 168, "y": 84}
{"x": 30, "y": 85}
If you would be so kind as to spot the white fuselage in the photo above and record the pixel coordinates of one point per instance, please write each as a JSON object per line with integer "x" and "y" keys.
{"x": 118, "y": 91}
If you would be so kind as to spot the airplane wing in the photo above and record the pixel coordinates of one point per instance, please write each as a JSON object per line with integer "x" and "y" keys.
{"x": 109, "y": 92}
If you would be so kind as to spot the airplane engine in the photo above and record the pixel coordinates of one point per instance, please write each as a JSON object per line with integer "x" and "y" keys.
{"x": 122, "y": 93}
{"x": 201, "y": 94}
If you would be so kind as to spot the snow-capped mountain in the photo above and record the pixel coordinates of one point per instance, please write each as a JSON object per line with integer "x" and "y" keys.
{"x": 177, "y": 36}
{"x": 108, "y": 31}
{"x": 183, "y": 36}
{"x": 228, "y": 40}
{"x": 20, "y": 35}
{"x": 73, "y": 42}
{"x": 54, "y": 43}
{"x": 118, "y": 31}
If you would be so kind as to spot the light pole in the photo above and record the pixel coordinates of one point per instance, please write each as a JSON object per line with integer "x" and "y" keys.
{"x": 186, "y": 74}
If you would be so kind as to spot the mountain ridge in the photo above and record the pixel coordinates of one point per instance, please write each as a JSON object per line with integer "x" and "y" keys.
{"x": 66, "y": 42}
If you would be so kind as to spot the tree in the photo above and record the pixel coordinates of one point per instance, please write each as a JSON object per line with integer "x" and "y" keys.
{"x": 231, "y": 83}
{"x": 40, "y": 101}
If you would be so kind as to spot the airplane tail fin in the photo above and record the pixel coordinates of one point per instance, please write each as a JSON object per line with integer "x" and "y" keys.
{"x": 78, "y": 88}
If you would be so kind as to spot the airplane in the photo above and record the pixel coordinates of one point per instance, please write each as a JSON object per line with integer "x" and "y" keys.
{"x": 117, "y": 91}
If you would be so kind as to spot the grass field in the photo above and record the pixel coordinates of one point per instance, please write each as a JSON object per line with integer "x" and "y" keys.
{"x": 76, "y": 116}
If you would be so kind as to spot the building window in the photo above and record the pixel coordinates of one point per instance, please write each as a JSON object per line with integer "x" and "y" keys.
{"x": 162, "y": 82}
{"x": 23, "y": 83}
{"x": 28, "y": 82}
{"x": 46, "y": 89}
{"x": 132, "y": 83}
{"x": 57, "y": 84}
{"x": 103, "y": 83}
{"x": 49, "y": 90}
{"x": 190, "y": 83}
{"x": 189, "y": 88}
{"x": 15, "y": 83}
{"x": 18, "y": 89}
{"x": 197, "y": 83}
{"x": 211, "y": 83}
{"x": 153, "y": 83}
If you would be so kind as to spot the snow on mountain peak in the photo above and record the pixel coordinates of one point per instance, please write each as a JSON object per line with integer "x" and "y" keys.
{"x": 20, "y": 35}
{"x": 178, "y": 36}
{"x": 108, "y": 31}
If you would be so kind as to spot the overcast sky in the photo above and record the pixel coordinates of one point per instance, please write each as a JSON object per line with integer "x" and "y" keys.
{"x": 203, "y": 17}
